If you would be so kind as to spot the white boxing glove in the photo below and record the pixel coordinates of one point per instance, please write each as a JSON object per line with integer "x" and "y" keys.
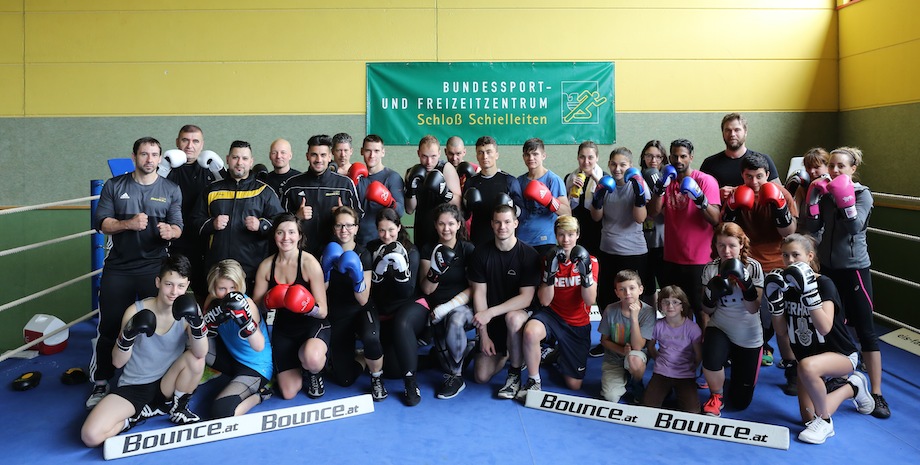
{"x": 171, "y": 159}
{"x": 212, "y": 161}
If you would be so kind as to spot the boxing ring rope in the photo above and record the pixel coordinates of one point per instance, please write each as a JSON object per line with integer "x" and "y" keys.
{"x": 36, "y": 245}
{"x": 97, "y": 245}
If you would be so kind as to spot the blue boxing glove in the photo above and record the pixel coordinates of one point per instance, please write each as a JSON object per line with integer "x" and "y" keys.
{"x": 605, "y": 185}
{"x": 691, "y": 189}
{"x": 350, "y": 265}
{"x": 330, "y": 258}
{"x": 634, "y": 178}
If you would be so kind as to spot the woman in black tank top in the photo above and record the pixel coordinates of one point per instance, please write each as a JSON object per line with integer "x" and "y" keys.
{"x": 291, "y": 281}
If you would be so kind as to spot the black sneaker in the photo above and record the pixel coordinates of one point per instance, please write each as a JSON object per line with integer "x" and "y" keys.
{"x": 99, "y": 391}
{"x": 511, "y": 387}
{"x": 378, "y": 390}
{"x": 315, "y": 386}
{"x": 180, "y": 413}
{"x": 452, "y": 386}
{"x": 881, "y": 407}
{"x": 413, "y": 395}
{"x": 596, "y": 351}
{"x": 791, "y": 388}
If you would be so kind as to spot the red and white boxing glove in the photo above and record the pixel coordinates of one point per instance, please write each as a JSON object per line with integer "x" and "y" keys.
{"x": 772, "y": 195}
{"x": 357, "y": 171}
{"x": 299, "y": 300}
{"x": 377, "y": 192}
{"x": 274, "y": 298}
{"x": 538, "y": 192}
{"x": 742, "y": 198}
{"x": 844, "y": 193}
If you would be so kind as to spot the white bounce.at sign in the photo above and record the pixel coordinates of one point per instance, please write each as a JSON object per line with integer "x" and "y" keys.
{"x": 743, "y": 432}
{"x": 126, "y": 445}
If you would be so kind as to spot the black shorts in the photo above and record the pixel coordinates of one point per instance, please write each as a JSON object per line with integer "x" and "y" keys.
{"x": 286, "y": 341}
{"x": 140, "y": 395}
{"x": 572, "y": 342}
{"x": 498, "y": 333}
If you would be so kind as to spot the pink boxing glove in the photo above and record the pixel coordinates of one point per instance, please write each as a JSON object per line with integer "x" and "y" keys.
{"x": 816, "y": 190}
{"x": 844, "y": 193}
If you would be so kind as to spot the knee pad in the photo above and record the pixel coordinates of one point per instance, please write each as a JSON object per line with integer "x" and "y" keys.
{"x": 225, "y": 406}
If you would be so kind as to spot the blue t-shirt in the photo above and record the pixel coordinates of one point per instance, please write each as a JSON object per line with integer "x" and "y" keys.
{"x": 536, "y": 221}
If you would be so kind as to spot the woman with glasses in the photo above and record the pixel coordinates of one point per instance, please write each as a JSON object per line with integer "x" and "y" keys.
{"x": 347, "y": 272}
{"x": 654, "y": 156}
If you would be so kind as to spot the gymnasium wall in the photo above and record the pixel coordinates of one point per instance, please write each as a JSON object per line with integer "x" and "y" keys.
{"x": 80, "y": 81}
{"x": 879, "y": 113}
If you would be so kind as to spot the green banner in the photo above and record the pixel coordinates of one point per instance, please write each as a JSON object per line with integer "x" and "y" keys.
{"x": 561, "y": 103}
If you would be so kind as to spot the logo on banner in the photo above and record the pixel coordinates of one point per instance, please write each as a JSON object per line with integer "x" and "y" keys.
{"x": 580, "y": 102}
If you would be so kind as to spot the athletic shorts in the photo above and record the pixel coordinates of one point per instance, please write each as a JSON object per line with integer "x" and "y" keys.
{"x": 140, "y": 395}
{"x": 572, "y": 342}
{"x": 286, "y": 342}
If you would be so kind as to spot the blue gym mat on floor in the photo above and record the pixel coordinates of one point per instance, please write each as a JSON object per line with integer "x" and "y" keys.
{"x": 42, "y": 425}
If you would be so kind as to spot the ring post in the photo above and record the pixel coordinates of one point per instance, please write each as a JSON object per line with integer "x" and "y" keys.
{"x": 97, "y": 244}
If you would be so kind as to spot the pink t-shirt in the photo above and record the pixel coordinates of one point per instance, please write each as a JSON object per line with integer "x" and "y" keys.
{"x": 687, "y": 234}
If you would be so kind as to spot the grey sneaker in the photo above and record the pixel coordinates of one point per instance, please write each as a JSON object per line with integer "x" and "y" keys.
{"x": 452, "y": 386}
{"x": 378, "y": 390}
{"x": 865, "y": 404}
{"x": 531, "y": 385}
{"x": 511, "y": 387}
{"x": 99, "y": 391}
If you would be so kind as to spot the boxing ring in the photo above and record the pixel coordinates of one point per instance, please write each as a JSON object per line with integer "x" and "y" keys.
{"x": 98, "y": 257}
{"x": 539, "y": 437}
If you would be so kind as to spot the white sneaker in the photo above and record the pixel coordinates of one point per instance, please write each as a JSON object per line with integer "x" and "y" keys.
{"x": 817, "y": 431}
{"x": 865, "y": 404}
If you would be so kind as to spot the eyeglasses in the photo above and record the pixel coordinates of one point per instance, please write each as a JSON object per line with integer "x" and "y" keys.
{"x": 671, "y": 303}
{"x": 340, "y": 227}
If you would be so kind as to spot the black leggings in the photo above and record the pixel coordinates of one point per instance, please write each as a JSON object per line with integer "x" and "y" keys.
{"x": 399, "y": 336}
{"x": 718, "y": 349}
{"x": 348, "y": 322}
{"x": 855, "y": 288}
{"x": 116, "y": 293}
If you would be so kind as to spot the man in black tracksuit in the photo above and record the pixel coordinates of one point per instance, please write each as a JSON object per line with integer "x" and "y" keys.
{"x": 234, "y": 214}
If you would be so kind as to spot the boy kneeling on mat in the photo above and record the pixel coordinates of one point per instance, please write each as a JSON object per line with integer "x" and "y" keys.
{"x": 160, "y": 373}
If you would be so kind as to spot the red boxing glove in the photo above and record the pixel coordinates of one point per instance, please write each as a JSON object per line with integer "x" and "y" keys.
{"x": 772, "y": 195}
{"x": 538, "y": 192}
{"x": 274, "y": 298}
{"x": 377, "y": 192}
{"x": 741, "y": 198}
{"x": 843, "y": 191}
{"x": 299, "y": 300}
{"x": 357, "y": 171}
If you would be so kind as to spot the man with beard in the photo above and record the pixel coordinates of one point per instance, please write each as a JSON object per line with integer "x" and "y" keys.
{"x": 314, "y": 194}
{"x": 234, "y": 214}
{"x": 142, "y": 212}
{"x": 725, "y": 166}
{"x": 690, "y": 202}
